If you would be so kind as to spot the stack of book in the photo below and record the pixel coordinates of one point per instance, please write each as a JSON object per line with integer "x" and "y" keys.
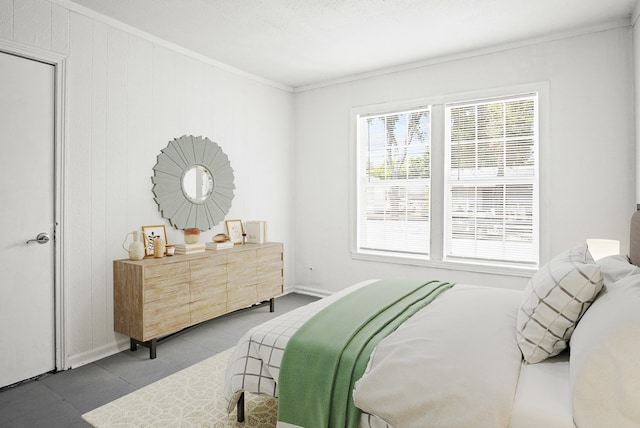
{"x": 191, "y": 248}
{"x": 219, "y": 245}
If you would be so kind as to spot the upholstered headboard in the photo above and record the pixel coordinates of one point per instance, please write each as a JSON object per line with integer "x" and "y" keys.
{"x": 634, "y": 242}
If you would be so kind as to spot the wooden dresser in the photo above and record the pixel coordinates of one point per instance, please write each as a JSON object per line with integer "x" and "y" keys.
{"x": 155, "y": 297}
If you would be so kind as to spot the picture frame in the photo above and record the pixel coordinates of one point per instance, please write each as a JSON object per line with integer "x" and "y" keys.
{"x": 235, "y": 230}
{"x": 150, "y": 233}
{"x": 256, "y": 232}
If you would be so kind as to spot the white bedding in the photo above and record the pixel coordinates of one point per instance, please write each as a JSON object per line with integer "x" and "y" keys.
{"x": 543, "y": 397}
{"x": 454, "y": 364}
{"x": 255, "y": 364}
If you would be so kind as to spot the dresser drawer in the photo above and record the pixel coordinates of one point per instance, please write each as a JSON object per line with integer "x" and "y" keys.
{"x": 167, "y": 270}
{"x": 241, "y": 297}
{"x": 242, "y": 258}
{"x": 209, "y": 307}
{"x": 207, "y": 276}
{"x": 165, "y": 288}
{"x": 269, "y": 289}
{"x": 270, "y": 255}
{"x": 168, "y": 323}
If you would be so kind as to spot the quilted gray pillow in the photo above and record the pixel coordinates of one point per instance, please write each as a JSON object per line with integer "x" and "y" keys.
{"x": 554, "y": 300}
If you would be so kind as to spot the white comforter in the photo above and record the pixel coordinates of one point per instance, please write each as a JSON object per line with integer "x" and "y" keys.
{"x": 454, "y": 364}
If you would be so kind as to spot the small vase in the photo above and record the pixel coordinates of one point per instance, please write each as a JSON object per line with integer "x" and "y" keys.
{"x": 159, "y": 247}
{"x": 136, "y": 248}
{"x": 191, "y": 235}
{"x": 171, "y": 249}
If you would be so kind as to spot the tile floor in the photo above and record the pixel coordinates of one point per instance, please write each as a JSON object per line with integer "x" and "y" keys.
{"x": 59, "y": 399}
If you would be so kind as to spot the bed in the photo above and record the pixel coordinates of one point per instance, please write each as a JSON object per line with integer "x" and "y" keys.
{"x": 561, "y": 353}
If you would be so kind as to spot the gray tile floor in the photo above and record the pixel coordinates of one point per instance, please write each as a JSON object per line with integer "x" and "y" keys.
{"x": 59, "y": 399}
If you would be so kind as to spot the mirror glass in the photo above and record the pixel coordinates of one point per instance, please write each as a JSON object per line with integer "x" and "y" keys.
{"x": 197, "y": 183}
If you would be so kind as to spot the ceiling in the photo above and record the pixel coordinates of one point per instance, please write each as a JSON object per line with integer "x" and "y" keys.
{"x": 298, "y": 43}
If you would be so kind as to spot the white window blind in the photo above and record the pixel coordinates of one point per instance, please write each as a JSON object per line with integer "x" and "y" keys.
{"x": 491, "y": 177}
{"x": 393, "y": 182}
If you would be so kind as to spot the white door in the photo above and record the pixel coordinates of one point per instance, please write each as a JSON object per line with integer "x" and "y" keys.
{"x": 27, "y": 186}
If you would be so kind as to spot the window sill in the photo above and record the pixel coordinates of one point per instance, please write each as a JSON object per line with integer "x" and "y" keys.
{"x": 494, "y": 269}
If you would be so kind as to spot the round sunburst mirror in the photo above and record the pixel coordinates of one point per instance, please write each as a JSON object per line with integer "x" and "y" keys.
{"x": 193, "y": 183}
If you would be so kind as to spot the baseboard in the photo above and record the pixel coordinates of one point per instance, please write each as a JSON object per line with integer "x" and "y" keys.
{"x": 316, "y": 292}
{"x": 78, "y": 360}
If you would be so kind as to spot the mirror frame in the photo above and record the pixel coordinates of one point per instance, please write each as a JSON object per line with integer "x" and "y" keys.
{"x": 180, "y": 155}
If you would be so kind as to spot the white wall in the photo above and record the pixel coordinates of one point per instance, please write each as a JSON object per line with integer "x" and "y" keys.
{"x": 126, "y": 99}
{"x": 587, "y": 165}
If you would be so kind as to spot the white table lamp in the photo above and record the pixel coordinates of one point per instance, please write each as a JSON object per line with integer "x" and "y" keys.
{"x": 600, "y": 248}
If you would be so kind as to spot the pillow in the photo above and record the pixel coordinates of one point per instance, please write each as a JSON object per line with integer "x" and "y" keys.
{"x": 553, "y": 301}
{"x": 603, "y": 367}
{"x": 615, "y": 268}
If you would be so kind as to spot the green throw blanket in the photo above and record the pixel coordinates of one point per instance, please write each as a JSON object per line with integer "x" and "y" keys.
{"x": 330, "y": 352}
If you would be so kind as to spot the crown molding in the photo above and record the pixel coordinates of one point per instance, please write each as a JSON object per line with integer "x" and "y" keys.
{"x": 89, "y": 13}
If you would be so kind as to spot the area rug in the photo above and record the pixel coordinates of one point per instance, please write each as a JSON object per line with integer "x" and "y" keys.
{"x": 189, "y": 398}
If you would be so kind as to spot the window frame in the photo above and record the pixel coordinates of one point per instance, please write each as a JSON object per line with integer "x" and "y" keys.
{"x": 436, "y": 258}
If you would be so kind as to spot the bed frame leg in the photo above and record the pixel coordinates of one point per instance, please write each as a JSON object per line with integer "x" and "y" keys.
{"x": 240, "y": 408}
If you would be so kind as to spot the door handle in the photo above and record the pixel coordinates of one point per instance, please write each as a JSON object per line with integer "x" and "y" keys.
{"x": 42, "y": 238}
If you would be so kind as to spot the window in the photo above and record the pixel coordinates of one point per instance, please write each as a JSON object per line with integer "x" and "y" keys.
{"x": 449, "y": 181}
{"x": 394, "y": 172}
{"x": 491, "y": 180}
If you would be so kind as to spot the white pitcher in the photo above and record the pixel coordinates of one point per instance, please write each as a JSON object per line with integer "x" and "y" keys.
{"x": 136, "y": 248}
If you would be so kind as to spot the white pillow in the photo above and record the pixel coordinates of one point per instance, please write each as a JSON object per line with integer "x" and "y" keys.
{"x": 554, "y": 300}
{"x": 615, "y": 268}
{"x": 604, "y": 371}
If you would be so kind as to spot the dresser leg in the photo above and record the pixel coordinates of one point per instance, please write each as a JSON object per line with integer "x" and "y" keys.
{"x": 272, "y": 304}
{"x": 152, "y": 348}
{"x": 151, "y": 344}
